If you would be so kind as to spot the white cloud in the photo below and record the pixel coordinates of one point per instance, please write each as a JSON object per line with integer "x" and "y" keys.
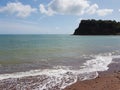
{"x": 92, "y": 9}
{"x": 104, "y": 12}
{"x": 49, "y": 11}
{"x": 73, "y": 7}
{"x": 76, "y": 7}
{"x": 18, "y": 8}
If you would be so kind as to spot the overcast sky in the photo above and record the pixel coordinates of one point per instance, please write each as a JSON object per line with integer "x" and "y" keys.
{"x": 53, "y": 16}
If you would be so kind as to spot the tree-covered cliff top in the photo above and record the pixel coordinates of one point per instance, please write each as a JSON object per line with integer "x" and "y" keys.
{"x": 98, "y": 27}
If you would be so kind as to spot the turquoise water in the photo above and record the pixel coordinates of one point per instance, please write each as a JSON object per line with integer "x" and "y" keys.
{"x": 45, "y": 51}
{"x": 54, "y": 61}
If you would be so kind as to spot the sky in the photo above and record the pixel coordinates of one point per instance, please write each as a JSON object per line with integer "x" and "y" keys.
{"x": 53, "y": 16}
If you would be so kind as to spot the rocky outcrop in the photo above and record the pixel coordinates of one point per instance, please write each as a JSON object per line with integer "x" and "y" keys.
{"x": 98, "y": 27}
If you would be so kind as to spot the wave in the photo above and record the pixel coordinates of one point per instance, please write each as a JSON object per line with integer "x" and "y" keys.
{"x": 61, "y": 76}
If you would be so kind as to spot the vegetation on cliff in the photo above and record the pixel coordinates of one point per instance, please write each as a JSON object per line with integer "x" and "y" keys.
{"x": 98, "y": 27}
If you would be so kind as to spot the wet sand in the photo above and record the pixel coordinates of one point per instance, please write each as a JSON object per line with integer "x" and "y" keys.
{"x": 108, "y": 80}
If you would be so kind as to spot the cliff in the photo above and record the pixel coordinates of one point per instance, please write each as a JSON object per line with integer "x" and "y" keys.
{"x": 98, "y": 27}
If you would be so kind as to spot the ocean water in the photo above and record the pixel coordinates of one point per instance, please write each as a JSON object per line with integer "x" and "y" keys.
{"x": 54, "y": 61}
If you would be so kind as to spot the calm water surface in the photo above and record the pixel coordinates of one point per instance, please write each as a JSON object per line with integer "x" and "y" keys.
{"x": 26, "y": 52}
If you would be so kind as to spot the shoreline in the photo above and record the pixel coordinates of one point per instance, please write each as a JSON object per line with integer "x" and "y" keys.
{"x": 106, "y": 80}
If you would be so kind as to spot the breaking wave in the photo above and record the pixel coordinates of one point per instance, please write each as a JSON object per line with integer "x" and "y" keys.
{"x": 57, "y": 78}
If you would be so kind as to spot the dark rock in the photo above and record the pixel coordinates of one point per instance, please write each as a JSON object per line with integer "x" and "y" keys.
{"x": 98, "y": 27}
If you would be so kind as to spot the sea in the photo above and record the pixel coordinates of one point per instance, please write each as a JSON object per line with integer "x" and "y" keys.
{"x": 53, "y": 61}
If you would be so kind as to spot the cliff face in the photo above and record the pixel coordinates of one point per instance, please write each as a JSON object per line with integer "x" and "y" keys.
{"x": 98, "y": 27}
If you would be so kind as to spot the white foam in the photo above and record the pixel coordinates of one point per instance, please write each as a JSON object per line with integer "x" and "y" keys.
{"x": 62, "y": 76}
{"x": 100, "y": 63}
{"x": 59, "y": 77}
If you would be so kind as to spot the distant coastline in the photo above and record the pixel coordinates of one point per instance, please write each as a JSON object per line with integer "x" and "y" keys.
{"x": 98, "y": 27}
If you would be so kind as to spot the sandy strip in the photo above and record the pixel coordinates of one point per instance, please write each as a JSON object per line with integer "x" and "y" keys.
{"x": 109, "y": 80}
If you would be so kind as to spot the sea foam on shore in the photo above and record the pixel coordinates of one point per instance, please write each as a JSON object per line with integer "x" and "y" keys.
{"x": 57, "y": 78}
